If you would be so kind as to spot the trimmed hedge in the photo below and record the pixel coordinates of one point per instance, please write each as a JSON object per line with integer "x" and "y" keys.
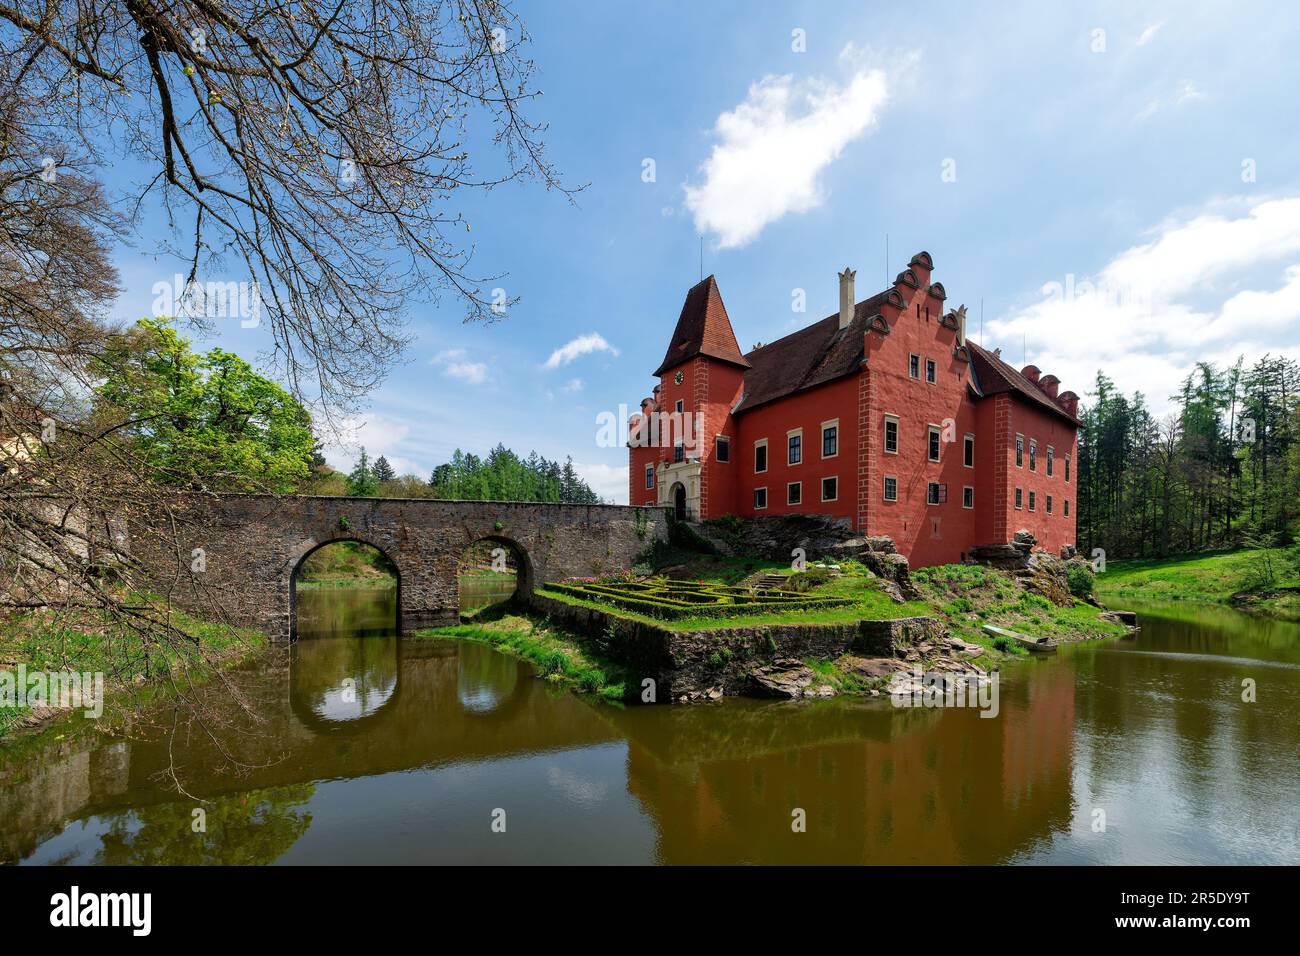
{"x": 671, "y": 600}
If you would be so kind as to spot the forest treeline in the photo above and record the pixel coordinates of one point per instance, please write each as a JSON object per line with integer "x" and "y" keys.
{"x": 501, "y": 475}
{"x": 1221, "y": 470}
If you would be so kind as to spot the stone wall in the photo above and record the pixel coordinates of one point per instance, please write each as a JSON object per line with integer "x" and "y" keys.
{"x": 251, "y": 545}
{"x": 693, "y": 665}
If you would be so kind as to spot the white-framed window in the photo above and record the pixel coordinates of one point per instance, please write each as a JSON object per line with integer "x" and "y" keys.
{"x": 794, "y": 493}
{"x": 649, "y": 476}
{"x": 722, "y": 448}
{"x": 1051, "y": 455}
{"x": 1020, "y": 451}
{"x": 968, "y": 497}
{"x": 1033, "y": 501}
{"x": 830, "y": 489}
{"x": 933, "y": 493}
{"x": 891, "y": 434}
{"x": 831, "y": 438}
{"x": 760, "y": 456}
{"x": 968, "y": 451}
{"x": 930, "y": 371}
{"x": 1033, "y": 455}
{"x": 914, "y": 366}
{"x": 760, "y": 499}
{"x": 891, "y": 487}
{"x": 934, "y": 441}
{"x": 1020, "y": 498}
{"x": 794, "y": 446}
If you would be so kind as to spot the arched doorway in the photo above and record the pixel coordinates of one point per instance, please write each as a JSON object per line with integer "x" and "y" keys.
{"x": 344, "y": 588}
{"x": 489, "y": 574}
{"x": 679, "y": 501}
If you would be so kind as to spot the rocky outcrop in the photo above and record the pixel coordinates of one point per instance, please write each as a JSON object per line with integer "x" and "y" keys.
{"x": 788, "y": 679}
{"x": 1040, "y": 572}
{"x": 819, "y": 537}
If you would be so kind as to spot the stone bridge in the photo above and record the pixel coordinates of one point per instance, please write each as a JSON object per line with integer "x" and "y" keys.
{"x": 240, "y": 553}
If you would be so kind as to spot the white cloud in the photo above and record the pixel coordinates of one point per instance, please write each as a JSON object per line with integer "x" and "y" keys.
{"x": 573, "y": 385}
{"x": 1222, "y": 283}
{"x": 1188, "y": 92}
{"x": 1149, "y": 33}
{"x": 455, "y": 365}
{"x": 576, "y": 348}
{"x": 608, "y": 481}
{"x": 376, "y": 434}
{"x": 773, "y": 148}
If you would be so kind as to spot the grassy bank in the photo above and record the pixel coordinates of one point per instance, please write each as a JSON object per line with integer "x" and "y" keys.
{"x": 1262, "y": 581}
{"x": 87, "y": 642}
{"x": 557, "y": 654}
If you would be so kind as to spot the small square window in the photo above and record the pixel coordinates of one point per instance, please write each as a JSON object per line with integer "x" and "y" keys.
{"x": 930, "y": 371}
{"x": 722, "y": 448}
{"x": 891, "y": 488}
{"x": 891, "y": 436}
{"x": 830, "y": 489}
{"x": 760, "y": 499}
{"x": 794, "y": 493}
{"x": 968, "y": 497}
{"x": 914, "y": 366}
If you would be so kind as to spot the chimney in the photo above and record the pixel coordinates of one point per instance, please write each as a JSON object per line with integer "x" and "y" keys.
{"x": 1069, "y": 403}
{"x": 846, "y": 297}
{"x": 1049, "y": 384}
{"x": 1030, "y": 372}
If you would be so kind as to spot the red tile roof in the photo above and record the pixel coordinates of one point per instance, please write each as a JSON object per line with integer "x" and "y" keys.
{"x": 819, "y": 353}
{"x": 702, "y": 329}
{"x": 994, "y": 375}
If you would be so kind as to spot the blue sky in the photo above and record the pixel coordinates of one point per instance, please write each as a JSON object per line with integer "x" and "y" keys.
{"x": 1028, "y": 152}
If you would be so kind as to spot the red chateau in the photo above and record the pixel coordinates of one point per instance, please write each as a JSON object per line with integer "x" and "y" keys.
{"x": 884, "y": 414}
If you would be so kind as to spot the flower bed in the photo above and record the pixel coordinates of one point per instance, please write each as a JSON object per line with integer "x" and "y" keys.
{"x": 670, "y": 600}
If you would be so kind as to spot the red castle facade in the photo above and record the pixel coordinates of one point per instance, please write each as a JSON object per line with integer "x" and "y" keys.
{"x": 884, "y": 414}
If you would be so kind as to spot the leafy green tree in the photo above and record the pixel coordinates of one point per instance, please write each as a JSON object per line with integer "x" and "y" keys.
{"x": 205, "y": 420}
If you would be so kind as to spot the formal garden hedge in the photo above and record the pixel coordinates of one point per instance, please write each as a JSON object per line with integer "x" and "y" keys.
{"x": 670, "y": 600}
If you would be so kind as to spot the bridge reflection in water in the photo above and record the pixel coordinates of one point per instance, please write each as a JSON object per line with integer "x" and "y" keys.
{"x": 438, "y": 735}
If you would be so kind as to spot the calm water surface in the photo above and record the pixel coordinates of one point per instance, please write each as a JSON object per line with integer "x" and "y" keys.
{"x": 375, "y": 749}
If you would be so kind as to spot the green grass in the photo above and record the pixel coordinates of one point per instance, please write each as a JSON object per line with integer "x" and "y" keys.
{"x": 864, "y": 600}
{"x": 1212, "y": 577}
{"x": 90, "y": 642}
{"x": 557, "y": 654}
{"x": 968, "y": 596}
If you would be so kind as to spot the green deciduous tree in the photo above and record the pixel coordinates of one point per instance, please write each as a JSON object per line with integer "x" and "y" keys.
{"x": 206, "y": 420}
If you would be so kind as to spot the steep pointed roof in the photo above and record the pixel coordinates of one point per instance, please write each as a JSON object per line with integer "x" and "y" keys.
{"x": 703, "y": 329}
{"x": 994, "y": 375}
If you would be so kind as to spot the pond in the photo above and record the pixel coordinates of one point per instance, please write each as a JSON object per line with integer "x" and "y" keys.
{"x": 356, "y": 746}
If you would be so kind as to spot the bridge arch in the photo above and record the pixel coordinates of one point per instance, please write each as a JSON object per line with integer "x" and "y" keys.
{"x": 309, "y": 547}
